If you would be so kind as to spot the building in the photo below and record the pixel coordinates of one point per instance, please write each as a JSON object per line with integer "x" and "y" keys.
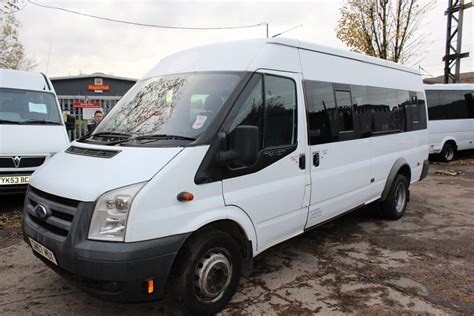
{"x": 82, "y": 95}
{"x": 465, "y": 77}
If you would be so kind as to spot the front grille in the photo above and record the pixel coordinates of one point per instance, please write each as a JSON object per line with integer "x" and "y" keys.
{"x": 25, "y": 162}
{"x": 61, "y": 211}
{"x": 6, "y": 162}
{"x": 99, "y": 153}
{"x": 28, "y": 162}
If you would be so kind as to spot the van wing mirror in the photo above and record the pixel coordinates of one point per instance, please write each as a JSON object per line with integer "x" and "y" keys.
{"x": 246, "y": 144}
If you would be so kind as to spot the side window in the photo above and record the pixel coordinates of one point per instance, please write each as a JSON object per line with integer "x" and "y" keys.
{"x": 344, "y": 107}
{"x": 403, "y": 100}
{"x": 469, "y": 97}
{"x": 421, "y": 109}
{"x": 280, "y": 112}
{"x": 384, "y": 104}
{"x": 321, "y": 109}
{"x": 362, "y": 111}
{"x": 251, "y": 111}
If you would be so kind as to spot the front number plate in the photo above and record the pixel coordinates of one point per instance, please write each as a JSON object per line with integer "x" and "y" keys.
{"x": 42, "y": 250}
{"x": 14, "y": 180}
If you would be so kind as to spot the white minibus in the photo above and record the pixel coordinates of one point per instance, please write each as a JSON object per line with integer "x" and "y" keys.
{"x": 451, "y": 118}
{"x": 219, "y": 153}
{"x": 31, "y": 127}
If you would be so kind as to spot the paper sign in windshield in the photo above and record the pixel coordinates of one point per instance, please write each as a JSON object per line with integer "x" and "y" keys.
{"x": 200, "y": 120}
{"x": 38, "y": 108}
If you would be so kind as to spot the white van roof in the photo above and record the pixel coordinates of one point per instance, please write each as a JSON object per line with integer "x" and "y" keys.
{"x": 253, "y": 54}
{"x": 27, "y": 80}
{"x": 450, "y": 86}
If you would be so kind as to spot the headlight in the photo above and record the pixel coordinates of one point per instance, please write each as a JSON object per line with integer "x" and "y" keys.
{"x": 111, "y": 213}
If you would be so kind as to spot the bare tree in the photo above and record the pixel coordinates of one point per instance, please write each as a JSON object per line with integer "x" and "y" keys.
{"x": 383, "y": 28}
{"x": 12, "y": 52}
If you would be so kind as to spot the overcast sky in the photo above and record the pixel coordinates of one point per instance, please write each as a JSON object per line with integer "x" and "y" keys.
{"x": 84, "y": 45}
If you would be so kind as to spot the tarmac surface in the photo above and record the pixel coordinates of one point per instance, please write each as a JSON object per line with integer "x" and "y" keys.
{"x": 357, "y": 264}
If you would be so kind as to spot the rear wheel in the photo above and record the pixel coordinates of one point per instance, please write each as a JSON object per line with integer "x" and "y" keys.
{"x": 448, "y": 153}
{"x": 207, "y": 272}
{"x": 395, "y": 204}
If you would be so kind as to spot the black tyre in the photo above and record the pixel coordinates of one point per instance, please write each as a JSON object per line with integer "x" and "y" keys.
{"x": 207, "y": 272}
{"x": 395, "y": 204}
{"x": 448, "y": 152}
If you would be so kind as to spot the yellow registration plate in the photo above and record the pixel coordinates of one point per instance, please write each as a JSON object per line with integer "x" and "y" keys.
{"x": 13, "y": 180}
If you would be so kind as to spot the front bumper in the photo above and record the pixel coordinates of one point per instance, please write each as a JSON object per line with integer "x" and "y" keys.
{"x": 108, "y": 270}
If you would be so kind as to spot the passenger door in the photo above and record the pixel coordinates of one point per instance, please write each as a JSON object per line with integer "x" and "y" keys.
{"x": 272, "y": 191}
{"x": 341, "y": 153}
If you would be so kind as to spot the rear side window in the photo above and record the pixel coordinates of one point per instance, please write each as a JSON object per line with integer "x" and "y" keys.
{"x": 333, "y": 109}
{"x": 322, "y": 114}
{"x": 450, "y": 104}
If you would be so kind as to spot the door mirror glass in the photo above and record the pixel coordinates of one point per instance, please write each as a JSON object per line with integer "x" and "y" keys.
{"x": 245, "y": 144}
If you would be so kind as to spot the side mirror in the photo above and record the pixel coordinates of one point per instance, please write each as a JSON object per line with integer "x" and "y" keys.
{"x": 246, "y": 145}
{"x": 70, "y": 122}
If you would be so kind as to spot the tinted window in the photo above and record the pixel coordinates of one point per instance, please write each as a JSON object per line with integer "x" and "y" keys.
{"x": 275, "y": 116}
{"x": 280, "y": 112}
{"x": 321, "y": 108}
{"x": 450, "y": 104}
{"x": 384, "y": 106}
{"x": 344, "y": 106}
{"x": 334, "y": 108}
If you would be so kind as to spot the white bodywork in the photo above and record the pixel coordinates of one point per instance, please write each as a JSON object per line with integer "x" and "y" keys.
{"x": 270, "y": 205}
{"x": 461, "y": 131}
{"x": 29, "y": 140}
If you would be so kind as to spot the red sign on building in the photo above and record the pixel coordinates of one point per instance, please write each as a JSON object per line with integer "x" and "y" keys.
{"x": 85, "y": 105}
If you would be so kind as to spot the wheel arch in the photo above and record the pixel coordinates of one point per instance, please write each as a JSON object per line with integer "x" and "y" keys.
{"x": 400, "y": 166}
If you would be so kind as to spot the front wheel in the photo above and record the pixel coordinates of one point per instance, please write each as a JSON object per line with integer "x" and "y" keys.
{"x": 396, "y": 202}
{"x": 207, "y": 272}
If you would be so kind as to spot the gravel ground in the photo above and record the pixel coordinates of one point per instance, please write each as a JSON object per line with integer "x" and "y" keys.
{"x": 357, "y": 264}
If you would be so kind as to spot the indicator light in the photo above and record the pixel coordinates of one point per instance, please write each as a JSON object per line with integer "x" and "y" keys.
{"x": 185, "y": 197}
{"x": 150, "y": 286}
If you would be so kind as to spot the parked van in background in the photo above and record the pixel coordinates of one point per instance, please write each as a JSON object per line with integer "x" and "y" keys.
{"x": 31, "y": 127}
{"x": 451, "y": 118}
{"x": 219, "y": 153}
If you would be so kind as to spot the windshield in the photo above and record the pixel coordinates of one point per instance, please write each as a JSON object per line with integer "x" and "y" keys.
{"x": 170, "y": 106}
{"x": 28, "y": 107}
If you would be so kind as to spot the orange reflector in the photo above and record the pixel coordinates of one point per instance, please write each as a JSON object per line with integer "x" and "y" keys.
{"x": 185, "y": 197}
{"x": 150, "y": 286}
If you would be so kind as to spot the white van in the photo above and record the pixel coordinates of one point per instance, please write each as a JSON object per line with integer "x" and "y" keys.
{"x": 31, "y": 127}
{"x": 451, "y": 118}
{"x": 219, "y": 153}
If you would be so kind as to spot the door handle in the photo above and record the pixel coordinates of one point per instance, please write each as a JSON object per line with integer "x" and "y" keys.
{"x": 316, "y": 159}
{"x": 302, "y": 161}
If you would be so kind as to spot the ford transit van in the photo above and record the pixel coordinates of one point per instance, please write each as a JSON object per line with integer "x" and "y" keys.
{"x": 219, "y": 153}
{"x": 31, "y": 127}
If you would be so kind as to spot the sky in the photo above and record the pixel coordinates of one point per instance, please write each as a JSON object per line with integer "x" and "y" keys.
{"x": 66, "y": 44}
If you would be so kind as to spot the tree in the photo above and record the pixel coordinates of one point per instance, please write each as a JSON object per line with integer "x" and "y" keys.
{"x": 12, "y": 52}
{"x": 383, "y": 28}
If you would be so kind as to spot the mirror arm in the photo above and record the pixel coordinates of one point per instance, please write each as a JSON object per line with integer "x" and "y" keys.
{"x": 226, "y": 156}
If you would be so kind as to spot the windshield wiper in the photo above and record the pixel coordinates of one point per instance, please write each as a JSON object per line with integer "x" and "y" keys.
{"x": 9, "y": 122}
{"x": 109, "y": 134}
{"x": 46, "y": 122}
{"x": 162, "y": 136}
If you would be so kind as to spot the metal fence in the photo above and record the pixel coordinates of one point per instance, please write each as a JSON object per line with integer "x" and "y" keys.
{"x": 67, "y": 104}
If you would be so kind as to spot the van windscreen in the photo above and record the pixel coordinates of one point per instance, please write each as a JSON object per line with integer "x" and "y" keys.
{"x": 174, "y": 106}
{"x": 28, "y": 107}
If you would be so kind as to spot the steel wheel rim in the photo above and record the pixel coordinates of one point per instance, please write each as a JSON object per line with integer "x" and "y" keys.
{"x": 449, "y": 154}
{"x": 400, "y": 197}
{"x": 212, "y": 275}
